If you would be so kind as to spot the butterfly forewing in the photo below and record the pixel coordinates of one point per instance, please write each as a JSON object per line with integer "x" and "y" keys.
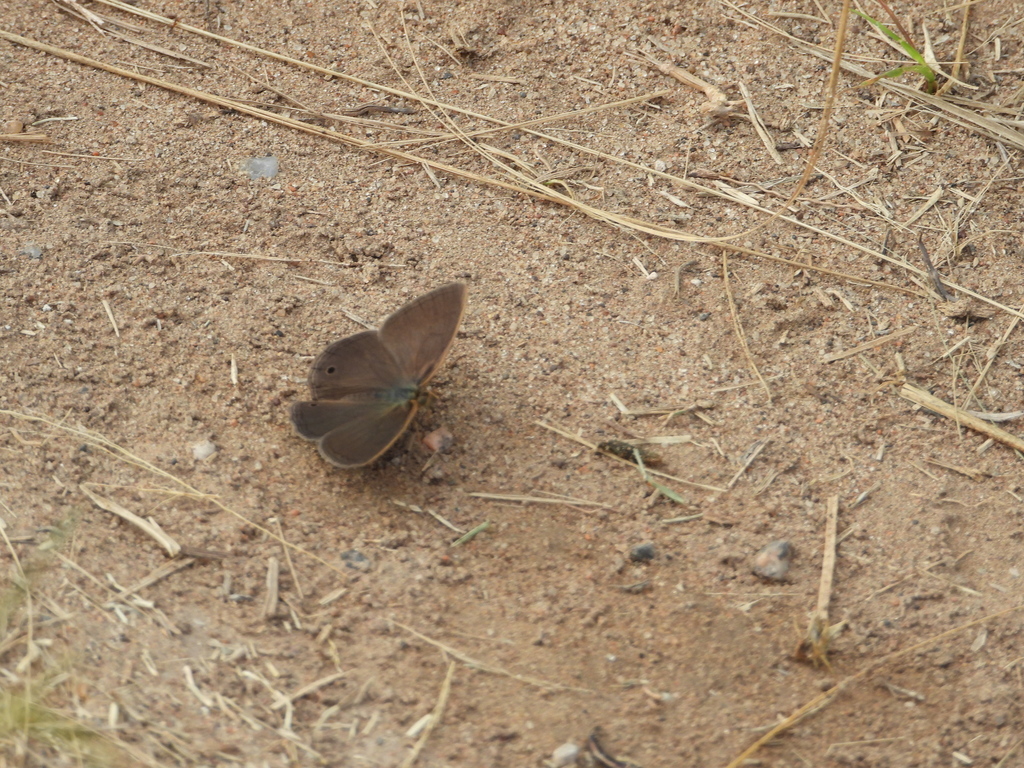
{"x": 419, "y": 334}
{"x": 354, "y": 365}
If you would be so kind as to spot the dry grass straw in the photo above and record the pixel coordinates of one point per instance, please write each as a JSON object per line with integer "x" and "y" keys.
{"x": 990, "y": 357}
{"x": 522, "y": 183}
{"x": 270, "y": 602}
{"x": 296, "y": 582}
{"x": 960, "y": 416}
{"x": 748, "y": 458}
{"x": 26, "y": 138}
{"x": 421, "y": 511}
{"x": 176, "y": 252}
{"x": 158, "y": 575}
{"x": 969, "y": 472}
{"x": 110, "y": 317}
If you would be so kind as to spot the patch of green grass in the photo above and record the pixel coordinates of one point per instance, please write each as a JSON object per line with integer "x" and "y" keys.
{"x": 32, "y": 728}
{"x": 921, "y": 67}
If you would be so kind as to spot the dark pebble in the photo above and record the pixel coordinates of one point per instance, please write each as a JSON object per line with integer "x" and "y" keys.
{"x": 642, "y": 553}
{"x": 356, "y": 560}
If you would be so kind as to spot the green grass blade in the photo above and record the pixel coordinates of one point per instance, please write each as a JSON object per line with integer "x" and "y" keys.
{"x": 909, "y": 49}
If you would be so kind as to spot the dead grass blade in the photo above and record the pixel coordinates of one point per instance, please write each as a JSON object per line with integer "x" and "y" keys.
{"x": 553, "y": 499}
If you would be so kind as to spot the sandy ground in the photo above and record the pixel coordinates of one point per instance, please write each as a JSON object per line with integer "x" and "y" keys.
{"x": 157, "y": 302}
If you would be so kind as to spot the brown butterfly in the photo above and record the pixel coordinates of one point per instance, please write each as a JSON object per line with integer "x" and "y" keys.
{"x": 366, "y": 389}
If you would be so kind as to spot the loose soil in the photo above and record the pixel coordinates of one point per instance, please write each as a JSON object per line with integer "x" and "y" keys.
{"x": 140, "y": 268}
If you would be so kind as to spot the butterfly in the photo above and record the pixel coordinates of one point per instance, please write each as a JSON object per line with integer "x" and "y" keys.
{"x": 365, "y": 389}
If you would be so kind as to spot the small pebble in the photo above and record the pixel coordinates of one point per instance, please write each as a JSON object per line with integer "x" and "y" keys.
{"x": 355, "y": 560}
{"x": 642, "y": 553}
{"x": 261, "y": 167}
{"x": 31, "y": 250}
{"x": 772, "y": 562}
{"x": 13, "y": 127}
{"x": 439, "y": 441}
{"x": 565, "y": 755}
{"x": 204, "y": 450}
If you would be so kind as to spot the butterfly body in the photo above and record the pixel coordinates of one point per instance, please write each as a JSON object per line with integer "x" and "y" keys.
{"x": 366, "y": 388}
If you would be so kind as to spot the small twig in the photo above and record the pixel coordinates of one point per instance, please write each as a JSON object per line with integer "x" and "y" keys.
{"x": 26, "y": 138}
{"x": 305, "y": 690}
{"x": 190, "y": 683}
{"x": 158, "y": 575}
{"x": 819, "y": 633}
{"x": 718, "y": 106}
